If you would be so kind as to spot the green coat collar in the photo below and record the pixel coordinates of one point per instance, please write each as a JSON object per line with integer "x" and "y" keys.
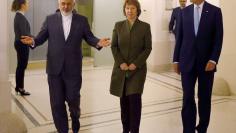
{"x": 133, "y": 26}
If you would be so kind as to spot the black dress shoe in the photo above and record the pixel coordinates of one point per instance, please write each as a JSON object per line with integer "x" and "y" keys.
{"x": 199, "y": 130}
{"x": 22, "y": 92}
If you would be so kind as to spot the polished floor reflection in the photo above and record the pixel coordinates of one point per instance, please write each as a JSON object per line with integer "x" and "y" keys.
{"x": 100, "y": 110}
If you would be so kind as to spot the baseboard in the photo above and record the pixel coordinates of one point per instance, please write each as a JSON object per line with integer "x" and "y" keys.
{"x": 160, "y": 68}
{"x": 41, "y": 64}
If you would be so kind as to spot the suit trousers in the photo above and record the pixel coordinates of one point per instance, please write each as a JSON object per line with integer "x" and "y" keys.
{"x": 22, "y": 52}
{"x": 131, "y": 107}
{"x": 62, "y": 89}
{"x": 189, "y": 109}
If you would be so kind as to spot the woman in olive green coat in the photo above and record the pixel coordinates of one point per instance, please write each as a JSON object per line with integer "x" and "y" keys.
{"x": 131, "y": 46}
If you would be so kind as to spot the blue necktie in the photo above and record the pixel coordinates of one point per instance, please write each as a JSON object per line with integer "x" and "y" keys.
{"x": 196, "y": 19}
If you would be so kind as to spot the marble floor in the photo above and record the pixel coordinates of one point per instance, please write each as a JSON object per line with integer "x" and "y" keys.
{"x": 100, "y": 110}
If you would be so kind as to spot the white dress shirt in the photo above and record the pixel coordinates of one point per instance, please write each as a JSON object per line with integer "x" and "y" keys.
{"x": 200, "y": 7}
{"x": 66, "y": 23}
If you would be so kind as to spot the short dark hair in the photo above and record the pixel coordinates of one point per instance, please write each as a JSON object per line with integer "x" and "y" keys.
{"x": 16, "y": 5}
{"x": 135, "y": 3}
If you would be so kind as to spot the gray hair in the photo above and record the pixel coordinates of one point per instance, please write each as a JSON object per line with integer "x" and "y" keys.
{"x": 60, "y": 0}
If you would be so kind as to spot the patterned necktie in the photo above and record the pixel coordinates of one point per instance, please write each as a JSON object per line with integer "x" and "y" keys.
{"x": 196, "y": 19}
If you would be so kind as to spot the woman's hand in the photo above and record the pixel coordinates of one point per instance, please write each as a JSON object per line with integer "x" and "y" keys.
{"x": 132, "y": 67}
{"x": 124, "y": 67}
{"x": 27, "y": 40}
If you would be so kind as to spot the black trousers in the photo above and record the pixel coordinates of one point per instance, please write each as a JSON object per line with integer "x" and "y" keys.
{"x": 131, "y": 107}
{"x": 189, "y": 109}
{"x": 63, "y": 89}
{"x": 22, "y": 52}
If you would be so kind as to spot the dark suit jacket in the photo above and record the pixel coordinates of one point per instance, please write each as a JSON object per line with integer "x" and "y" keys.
{"x": 174, "y": 19}
{"x": 64, "y": 54}
{"x": 195, "y": 51}
{"x": 21, "y": 26}
{"x": 130, "y": 46}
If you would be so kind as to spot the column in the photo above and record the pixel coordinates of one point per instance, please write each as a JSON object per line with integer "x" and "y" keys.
{"x": 227, "y": 64}
{"x": 5, "y": 91}
{"x": 155, "y": 13}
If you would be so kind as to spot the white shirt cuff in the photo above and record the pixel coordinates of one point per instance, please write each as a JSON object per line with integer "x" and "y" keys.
{"x": 212, "y": 61}
{"x": 33, "y": 44}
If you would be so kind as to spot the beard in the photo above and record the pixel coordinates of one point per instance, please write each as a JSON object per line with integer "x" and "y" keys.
{"x": 66, "y": 13}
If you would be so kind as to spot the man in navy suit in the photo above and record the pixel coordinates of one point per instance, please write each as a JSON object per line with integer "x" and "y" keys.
{"x": 197, "y": 51}
{"x": 175, "y": 16}
{"x": 64, "y": 31}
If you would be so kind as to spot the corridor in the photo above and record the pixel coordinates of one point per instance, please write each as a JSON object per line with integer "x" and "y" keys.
{"x": 100, "y": 110}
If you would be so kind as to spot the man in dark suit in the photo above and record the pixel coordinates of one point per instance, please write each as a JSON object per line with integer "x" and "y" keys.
{"x": 197, "y": 51}
{"x": 175, "y": 16}
{"x": 64, "y": 31}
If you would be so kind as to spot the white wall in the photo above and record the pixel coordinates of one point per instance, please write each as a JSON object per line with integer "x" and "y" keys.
{"x": 155, "y": 14}
{"x": 106, "y": 13}
{"x": 5, "y": 92}
{"x": 214, "y": 2}
{"x": 227, "y": 64}
{"x": 12, "y": 52}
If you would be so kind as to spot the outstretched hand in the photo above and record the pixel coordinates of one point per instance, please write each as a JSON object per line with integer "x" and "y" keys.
{"x": 27, "y": 40}
{"x": 104, "y": 42}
